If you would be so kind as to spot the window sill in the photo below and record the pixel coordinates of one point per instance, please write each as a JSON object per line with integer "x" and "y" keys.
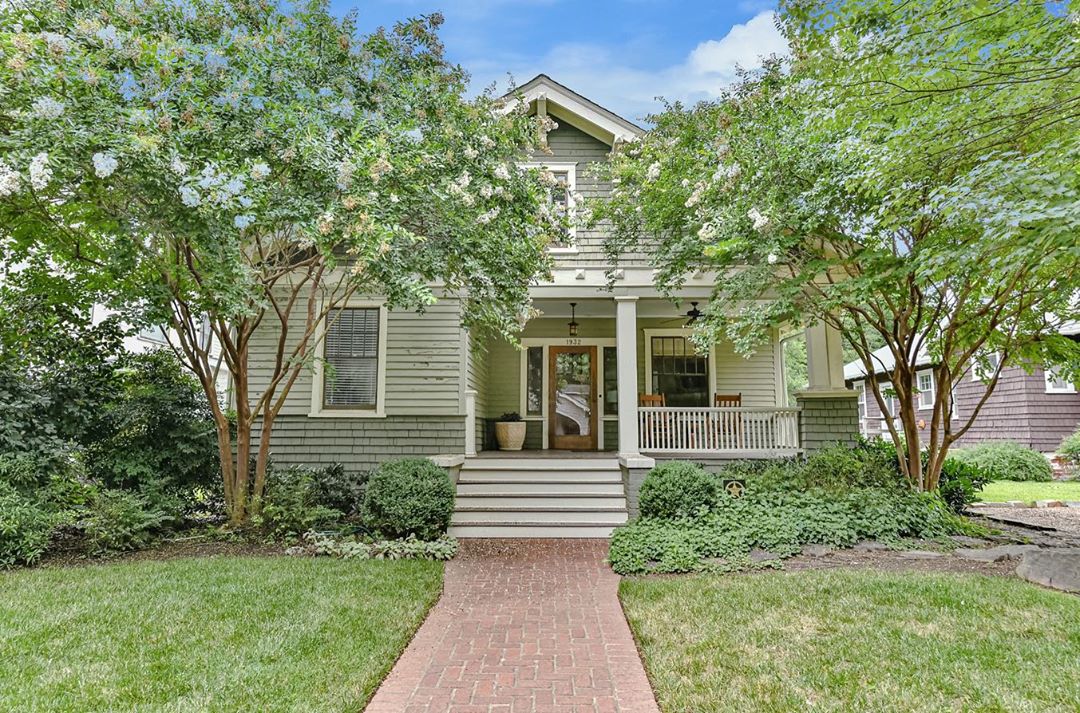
{"x": 563, "y": 251}
{"x": 346, "y": 413}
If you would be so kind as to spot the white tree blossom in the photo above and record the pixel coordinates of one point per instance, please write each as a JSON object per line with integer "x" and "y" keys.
{"x": 104, "y": 164}
{"x": 40, "y": 173}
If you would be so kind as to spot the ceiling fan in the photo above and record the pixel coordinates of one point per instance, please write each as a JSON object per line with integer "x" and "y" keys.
{"x": 692, "y": 315}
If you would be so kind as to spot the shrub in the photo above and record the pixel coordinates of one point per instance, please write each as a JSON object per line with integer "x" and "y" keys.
{"x": 341, "y": 490}
{"x": 120, "y": 520}
{"x": 960, "y": 483}
{"x": 409, "y": 497}
{"x": 156, "y": 434}
{"x": 1069, "y": 449}
{"x": 293, "y": 504}
{"x": 677, "y": 489}
{"x": 1007, "y": 461}
{"x": 786, "y": 505}
{"x": 25, "y": 528}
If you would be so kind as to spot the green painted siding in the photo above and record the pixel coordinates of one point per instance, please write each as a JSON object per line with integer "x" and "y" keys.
{"x": 568, "y": 144}
{"x": 423, "y": 362}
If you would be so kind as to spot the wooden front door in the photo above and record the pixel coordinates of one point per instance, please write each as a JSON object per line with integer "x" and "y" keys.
{"x": 572, "y": 398}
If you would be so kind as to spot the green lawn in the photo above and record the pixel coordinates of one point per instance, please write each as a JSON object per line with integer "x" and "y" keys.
{"x": 212, "y": 634}
{"x": 1000, "y": 491}
{"x": 855, "y": 641}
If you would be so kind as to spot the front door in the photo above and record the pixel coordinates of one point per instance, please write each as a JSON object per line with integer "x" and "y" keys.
{"x": 572, "y": 398}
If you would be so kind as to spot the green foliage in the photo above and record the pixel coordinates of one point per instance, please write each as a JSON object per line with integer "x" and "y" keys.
{"x": 677, "y": 489}
{"x": 317, "y": 544}
{"x": 407, "y": 497}
{"x": 120, "y": 520}
{"x": 295, "y": 503}
{"x": 1069, "y": 449}
{"x": 191, "y": 160}
{"x": 786, "y": 505}
{"x": 156, "y": 432}
{"x": 1007, "y": 461}
{"x": 874, "y": 180}
{"x": 25, "y": 528}
{"x": 341, "y": 490}
{"x": 960, "y": 483}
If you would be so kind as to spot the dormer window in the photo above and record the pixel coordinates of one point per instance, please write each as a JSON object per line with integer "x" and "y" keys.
{"x": 561, "y": 185}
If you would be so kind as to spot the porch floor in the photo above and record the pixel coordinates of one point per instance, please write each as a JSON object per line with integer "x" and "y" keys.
{"x": 545, "y": 455}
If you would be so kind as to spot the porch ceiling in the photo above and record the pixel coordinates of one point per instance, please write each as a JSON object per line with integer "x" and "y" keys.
{"x": 605, "y": 308}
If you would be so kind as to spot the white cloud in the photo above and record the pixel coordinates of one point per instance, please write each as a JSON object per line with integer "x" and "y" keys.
{"x": 606, "y": 76}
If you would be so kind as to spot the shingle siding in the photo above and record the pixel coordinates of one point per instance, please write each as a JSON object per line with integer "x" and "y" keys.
{"x": 362, "y": 443}
{"x": 826, "y": 421}
{"x": 1018, "y": 410}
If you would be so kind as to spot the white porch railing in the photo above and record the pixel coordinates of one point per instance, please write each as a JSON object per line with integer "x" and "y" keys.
{"x": 707, "y": 430}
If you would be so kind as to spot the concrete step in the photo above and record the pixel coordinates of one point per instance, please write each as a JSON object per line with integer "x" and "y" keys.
{"x": 540, "y": 464}
{"x": 550, "y": 502}
{"x": 542, "y": 489}
{"x": 615, "y": 516}
{"x": 530, "y": 530}
{"x": 540, "y": 476}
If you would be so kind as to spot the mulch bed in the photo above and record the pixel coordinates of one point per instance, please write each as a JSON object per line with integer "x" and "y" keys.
{"x": 891, "y": 561}
{"x": 169, "y": 550}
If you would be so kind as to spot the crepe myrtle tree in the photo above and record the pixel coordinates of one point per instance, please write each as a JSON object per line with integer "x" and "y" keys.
{"x": 230, "y": 162}
{"x": 908, "y": 175}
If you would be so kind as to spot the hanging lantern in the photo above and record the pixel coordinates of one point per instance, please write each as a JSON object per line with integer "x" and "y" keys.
{"x": 572, "y": 324}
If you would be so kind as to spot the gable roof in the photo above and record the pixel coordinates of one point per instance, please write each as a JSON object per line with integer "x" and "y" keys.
{"x": 883, "y": 362}
{"x": 546, "y": 95}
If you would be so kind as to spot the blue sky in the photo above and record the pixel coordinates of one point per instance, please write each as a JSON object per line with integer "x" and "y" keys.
{"x": 620, "y": 54}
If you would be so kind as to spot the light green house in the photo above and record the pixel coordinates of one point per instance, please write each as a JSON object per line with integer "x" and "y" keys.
{"x": 606, "y": 379}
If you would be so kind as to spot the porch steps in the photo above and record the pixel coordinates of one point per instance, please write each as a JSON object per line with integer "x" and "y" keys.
{"x": 539, "y": 497}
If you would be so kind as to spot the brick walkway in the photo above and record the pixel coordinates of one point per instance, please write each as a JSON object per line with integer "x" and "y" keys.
{"x": 522, "y": 625}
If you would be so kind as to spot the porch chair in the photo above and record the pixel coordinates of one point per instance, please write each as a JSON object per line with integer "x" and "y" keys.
{"x": 655, "y": 424}
{"x": 729, "y": 425}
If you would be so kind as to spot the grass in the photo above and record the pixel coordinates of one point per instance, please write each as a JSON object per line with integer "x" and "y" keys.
{"x": 212, "y": 634}
{"x": 1001, "y": 491}
{"x": 855, "y": 641}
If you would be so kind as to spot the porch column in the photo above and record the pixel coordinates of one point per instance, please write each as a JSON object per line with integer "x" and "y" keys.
{"x": 626, "y": 355}
{"x": 470, "y": 422}
{"x": 824, "y": 358}
{"x": 829, "y": 411}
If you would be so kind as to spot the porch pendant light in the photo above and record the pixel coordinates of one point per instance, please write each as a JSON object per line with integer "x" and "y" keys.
{"x": 572, "y": 324}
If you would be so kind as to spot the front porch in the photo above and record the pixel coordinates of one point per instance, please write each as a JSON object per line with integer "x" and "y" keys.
{"x": 626, "y": 379}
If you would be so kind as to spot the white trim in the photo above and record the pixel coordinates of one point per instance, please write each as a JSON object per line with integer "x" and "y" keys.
{"x": 677, "y": 332}
{"x": 545, "y": 343}
{"x": 593, "y": 119}
{"x": 859, "y": 387}
{"x": 1049, "y": 378}
{"x": 570, "y": 169}
{"x": 317, "y": 408}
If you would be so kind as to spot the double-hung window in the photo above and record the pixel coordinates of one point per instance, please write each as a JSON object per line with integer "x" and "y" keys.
{"x": 980, "y": 373}
{"x": 352, "y": 355}
{"x": 1057, "y": 384}
{"x": 926, "y": 389}
{"x": 679, "y": 372}
{"x": 561, "y": 187}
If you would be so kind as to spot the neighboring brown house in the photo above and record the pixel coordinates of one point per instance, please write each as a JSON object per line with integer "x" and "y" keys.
{"x": 1036, "y": 410}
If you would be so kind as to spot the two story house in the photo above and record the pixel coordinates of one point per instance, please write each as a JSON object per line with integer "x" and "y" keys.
{"x": 605, "y": 378}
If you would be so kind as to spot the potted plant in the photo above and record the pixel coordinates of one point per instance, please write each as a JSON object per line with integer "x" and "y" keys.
{"x": 510, "y": 432}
